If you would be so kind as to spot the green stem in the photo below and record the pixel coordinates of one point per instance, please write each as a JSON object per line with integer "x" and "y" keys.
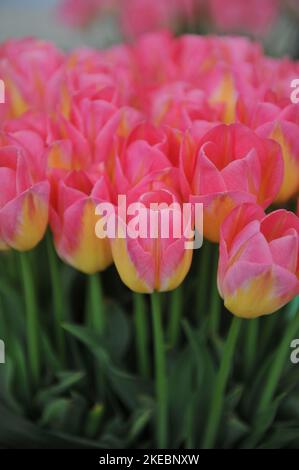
{"x": 220, "y": 386}
{"x": 141, "y": 327}
{"x": 190, "y": 424}
{"x": 215, "y": 303}
{"x": 33, "y": 331}
{"x": 96, "y": 321}
{"x": 160, "y": 365}
{"x": 96, "y": 304}
{"x": 175, "y": 316}
{"x": 203, "y": 280}
{"x": 280, "y": 357}
{"x": 268, "y": 332}
{"x": 57, "y": 299}
{"x": 3, "y": 327}
{"x": 251, "y": 338}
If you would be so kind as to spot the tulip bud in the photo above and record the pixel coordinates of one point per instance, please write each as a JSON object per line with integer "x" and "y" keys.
{"x": 153, "y": 260}
{"x": 24, "y": 203}
{"x": 26, "y": 65}
{"x": 286, "y": 134}
{"x": 73, "y": 221}
{"x": 232, "y": 165}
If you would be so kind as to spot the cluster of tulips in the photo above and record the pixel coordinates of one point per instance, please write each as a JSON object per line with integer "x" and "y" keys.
{"x": 139, "y": 16}
{"x": 189, "y": 119}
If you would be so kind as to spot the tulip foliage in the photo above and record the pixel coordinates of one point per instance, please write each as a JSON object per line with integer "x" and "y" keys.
{"x": 164, "y": 120}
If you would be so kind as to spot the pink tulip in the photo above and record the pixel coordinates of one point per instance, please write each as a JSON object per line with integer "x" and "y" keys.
{"x": 136, "y": 16}
{"x": 179, "y": 105}
{"x": 141, "y": 160}
{"x": 140, "y": 16}
{"x": 73, "y": 220}
{"x": 286, "y": 134}
{"x": 229, "y": 166}
{"x": 24, "y": 199}
{"x": 259, "y": 260}
{"x": 148, "y": 161}
{"x": 26, "y": 65}
{"x": 89, "y": 136}
{"x": 29, "y": 133}
{"x": 89, "y": 74}
{"x": 223, "y": 68}
{"x": 255, "y": 16}
{"x": 79, "y": 12}
{"x": 147, "y": 263}
{"x": 275, "y": 118}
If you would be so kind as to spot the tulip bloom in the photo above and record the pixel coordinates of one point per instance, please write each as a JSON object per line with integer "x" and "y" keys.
{"x": 79, "y": 12}
{"x": 73, "y": 221}
{"x": 279, "y": 121}
{"x": 89, "y": 137}
{"x": 25, "y": 66}
{"x": 148, "y": 263}
{"x": 258, "y": 269}
{"x": 142, "y": 159}
{"x": 230, "y": 166}
{"x": 286, "y": 134}
{"x": 24, "y": 203}
{"x": 179, "y": 105}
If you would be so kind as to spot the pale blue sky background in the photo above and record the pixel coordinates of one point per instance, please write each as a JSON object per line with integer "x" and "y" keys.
{"x": 20, "y": 18}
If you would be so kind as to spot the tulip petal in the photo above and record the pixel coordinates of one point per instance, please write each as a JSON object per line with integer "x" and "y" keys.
{"x": 216, "y": 208}
{"x": 251, "y": 290}
{"x": 285, "y": 251}
{"x": 134, "y": 265}
{"x": 174, "y": 265}
{"x": 78, "y": 244}
{"x": 24, "y": 220}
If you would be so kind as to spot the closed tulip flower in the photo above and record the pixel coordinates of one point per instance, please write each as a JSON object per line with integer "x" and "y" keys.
{"x": 259, "y": 261}
{"x": 232, "y": 165}
{"x": 286, "y": 134}
{"x": 73, "y": 221}
{"x": 24, "y": 202}
{"x": 89, "y": 136}
{"x": 239, "y": 15}
{"x": 143, "y": 158}
{"x": 25, "y": 66}
{"x": 144, "y": 263}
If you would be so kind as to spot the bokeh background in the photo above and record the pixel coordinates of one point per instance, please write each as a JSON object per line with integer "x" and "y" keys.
{"x": 43, "y": 18}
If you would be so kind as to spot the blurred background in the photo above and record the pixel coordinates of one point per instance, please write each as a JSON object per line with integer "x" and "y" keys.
{"x": 71, "y": 23}
{"x": 41, "y": 18}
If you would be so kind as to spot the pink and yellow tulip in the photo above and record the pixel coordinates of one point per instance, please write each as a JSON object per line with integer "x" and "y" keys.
{"x": 73, "y": 220}
{"x": 24, "y": 202}
{"x": 286, "y": 134}
{"x": 146, "y": 264}
{"x": 26, "y": 65}
{"x": 259, "y": 260}
{"x": 231, "y": 165}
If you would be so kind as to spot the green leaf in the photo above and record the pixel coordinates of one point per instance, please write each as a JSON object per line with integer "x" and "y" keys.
{"x": 55, "y": 412}
{"x": 262, "y": 422}
{"x": 235, "y": 429}
{"x": 117, "y": 333}
{"x": 66, "y": 380}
